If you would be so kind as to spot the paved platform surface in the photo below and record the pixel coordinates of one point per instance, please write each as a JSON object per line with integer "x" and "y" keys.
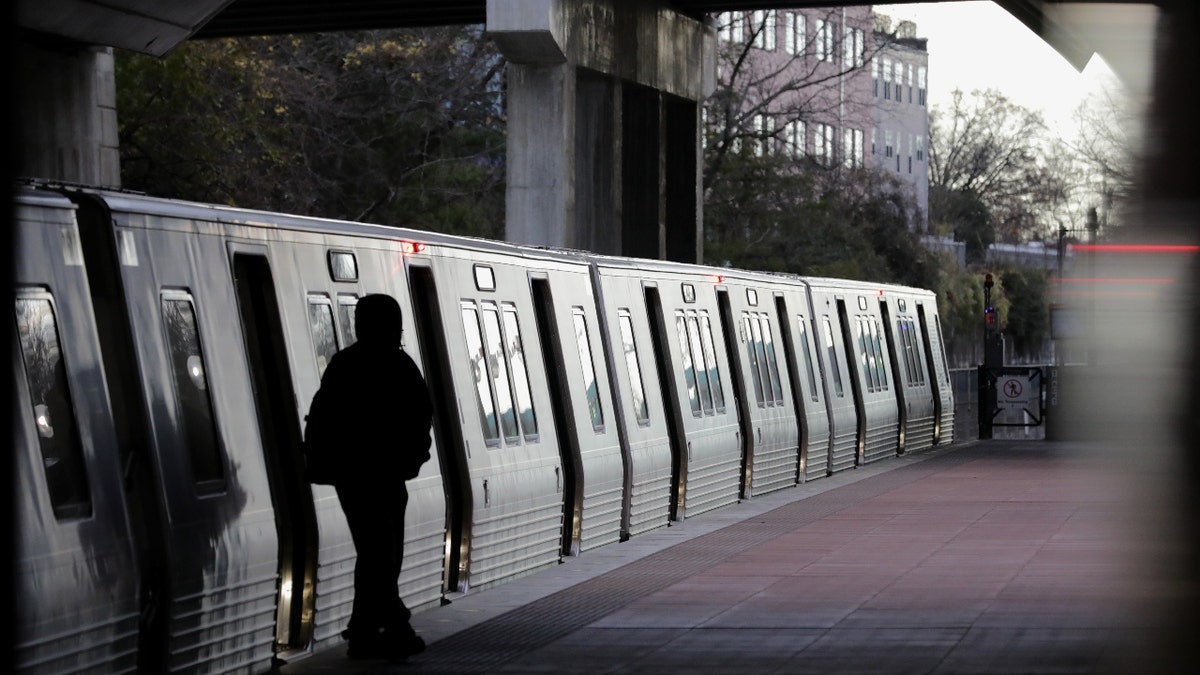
{"x": 995, "y": 556}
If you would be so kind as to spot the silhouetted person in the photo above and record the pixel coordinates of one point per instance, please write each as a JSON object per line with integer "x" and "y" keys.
{"x": 367, "y": 432}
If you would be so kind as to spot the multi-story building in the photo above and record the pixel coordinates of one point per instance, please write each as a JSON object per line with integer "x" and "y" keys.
{"x": 832, "y": 85}
{"x": 900, "y": 133}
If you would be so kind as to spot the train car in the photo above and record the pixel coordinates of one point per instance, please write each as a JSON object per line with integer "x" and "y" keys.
{"x": 580, "y": 400}
{"x": 863, "y": 343}
{"x": 769, "y": 394}
{"x": 841, "y": 405}
{"x": 698, "y": 422}
{"x": 923, "y": 393}
{"x": 514, "y": 337}
{"x": 77, "y": 606}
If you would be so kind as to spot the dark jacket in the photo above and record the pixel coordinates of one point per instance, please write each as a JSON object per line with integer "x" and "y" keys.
{"x": 370, "y": 420}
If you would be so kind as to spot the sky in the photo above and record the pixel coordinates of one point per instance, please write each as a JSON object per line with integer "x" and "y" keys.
{"x": 977, "y": 45}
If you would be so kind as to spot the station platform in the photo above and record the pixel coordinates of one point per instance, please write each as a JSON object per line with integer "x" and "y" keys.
{"x": 992, "y": 556}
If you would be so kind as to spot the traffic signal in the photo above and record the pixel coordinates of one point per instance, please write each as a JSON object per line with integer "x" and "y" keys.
{"x": 991, "y": 320}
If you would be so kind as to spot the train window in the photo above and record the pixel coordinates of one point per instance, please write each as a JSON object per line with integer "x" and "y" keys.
{"x": 629, "y": 347}
{"x": 498, "y": 365}
{"x": 752, "y": 297}
{"x": 485, "y": 278}
{"x": 347, "y": 304}
{"x": 710, "y": 355}
{"x": 53, "y": 413}
{"x": 689, "y": 372}
{"x": 516, "y": 358}
{"x": 903, "y": 330}
{"x": 591, "y": 387}
{"x": 802, "y": 333}
{"x": 864, "y": 353}
{"x": 343, "y": 266}
{"x": 831, "y": 350}
{"x": 772, "y": 363}
{"x": 191, "y": 388}
{"x": 689, "y": 293}
{"x": 698, "y": 358}
{"x": 752, "y": 356}
{"x": 880, "y": 362}
{"x": 320, "y": 324}
{"x": 479, "y": 371}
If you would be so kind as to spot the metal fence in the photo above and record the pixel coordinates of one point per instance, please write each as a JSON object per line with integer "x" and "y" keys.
{"x": 965, "y": 383}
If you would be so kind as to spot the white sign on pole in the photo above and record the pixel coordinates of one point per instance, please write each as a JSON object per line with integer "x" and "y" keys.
{"x": 1016, "y": 392}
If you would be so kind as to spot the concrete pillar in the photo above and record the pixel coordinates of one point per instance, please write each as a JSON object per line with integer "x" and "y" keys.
{"x": 603, "y": 124}
{"x": 68, "y": 113}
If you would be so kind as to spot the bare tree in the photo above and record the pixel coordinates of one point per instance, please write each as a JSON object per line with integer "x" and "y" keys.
{"x": 779, "y": 68}
{"x": 1108, "y": 146}
{"x": 991, "y": 149}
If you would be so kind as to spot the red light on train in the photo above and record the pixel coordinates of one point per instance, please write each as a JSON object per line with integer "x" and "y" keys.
{"x": 718, "y": 278}
{"x": 411, "y": 247}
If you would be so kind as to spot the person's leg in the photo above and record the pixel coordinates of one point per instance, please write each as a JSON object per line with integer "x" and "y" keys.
{"x": 374, "y": 584}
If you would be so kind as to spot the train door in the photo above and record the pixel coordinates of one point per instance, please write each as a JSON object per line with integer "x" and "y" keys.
{"x": 447, "y": 425}
{"x": 560, "y": 403}
{"x": 807, "y": 376}
{"x": 860, "y": 407}
{"x": 709, "y": 447}
{"x": 737, "y": 371}
{"x": 274, "y": 401}
{"x": 878, "y": 419}
{"x": 645, "y": 425}
{"x": 767, "y": 414}
{"x": 893, "y": 354}
{"x": 907, "y": 345}
{"x": 839, "y": 397}
{"x": 939, "y": 374}
{"x": 795, "y": 352}
{"x": 666, "y": 379}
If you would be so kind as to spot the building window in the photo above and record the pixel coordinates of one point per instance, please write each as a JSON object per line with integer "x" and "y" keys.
{"x": 875, "y": 78}
{"x": 921, "y": 85}
{"x": 764, "y": 129}
{"x": 793, "y": 37}
{"x": 887, "y": 78}
{"x": 824, "y": 39}
{"x": 823, "y": 143}
{"x": 763, "y": 25}
{"x": 796, "y": 137}
{"x": 920, "y": 148}
{"x": 852, "y": 56}
{"x": 852, "y": 147}
{"x": 910, "y": 70}
{"x": 887, "y": 143}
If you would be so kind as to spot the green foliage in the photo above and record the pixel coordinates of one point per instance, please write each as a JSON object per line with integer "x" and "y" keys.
{"x": 401, "y": 127}
{"x": 964, "y": 214}
{"x": 1027, "y": 321}
{"x": 766, "y": 213}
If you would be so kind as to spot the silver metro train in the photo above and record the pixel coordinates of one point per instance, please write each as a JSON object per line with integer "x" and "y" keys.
{"x": 166, "y": 353}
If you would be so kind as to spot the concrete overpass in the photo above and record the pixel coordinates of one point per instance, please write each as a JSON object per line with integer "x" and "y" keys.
{"x": 604, "y": 95}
